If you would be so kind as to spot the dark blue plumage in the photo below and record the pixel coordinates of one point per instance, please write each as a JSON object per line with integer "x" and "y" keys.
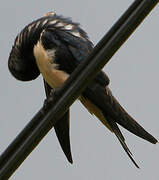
{"x": 55, "y": 46}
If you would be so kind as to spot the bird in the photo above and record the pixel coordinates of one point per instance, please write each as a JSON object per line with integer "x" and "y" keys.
{"x": 54, "y": 46}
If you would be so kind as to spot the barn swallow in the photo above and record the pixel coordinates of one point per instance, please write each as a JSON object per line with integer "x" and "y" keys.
{"x": 54, "y": 46}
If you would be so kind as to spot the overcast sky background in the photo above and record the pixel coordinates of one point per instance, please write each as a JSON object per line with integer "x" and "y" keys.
{"x": 134, "y": 75}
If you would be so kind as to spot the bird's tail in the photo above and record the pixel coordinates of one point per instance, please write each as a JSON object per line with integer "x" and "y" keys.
{"x": 100, "y": 101}
{"x": 117, "y": 132}
{"x": 126, "y": 121}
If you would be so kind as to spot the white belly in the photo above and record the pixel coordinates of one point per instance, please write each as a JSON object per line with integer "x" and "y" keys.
{"x": 54, "y": 77}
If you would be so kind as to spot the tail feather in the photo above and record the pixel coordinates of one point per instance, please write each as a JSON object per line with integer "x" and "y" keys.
{"x": 121, "y": 138}
{"x": 103, "y": 102}
{"x": 103, "y": 99}
{"x": 62, "y": 132}
{"x": 62, "y": 129}
{"x": 125, "y": 120}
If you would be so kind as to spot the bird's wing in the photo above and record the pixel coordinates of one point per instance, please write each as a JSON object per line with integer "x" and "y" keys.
{"x": 62, "y": 129}
{"x": 73, "y": 51}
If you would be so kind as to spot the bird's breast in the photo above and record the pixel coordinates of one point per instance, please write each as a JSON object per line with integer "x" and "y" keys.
{"x": 54, "y": 77}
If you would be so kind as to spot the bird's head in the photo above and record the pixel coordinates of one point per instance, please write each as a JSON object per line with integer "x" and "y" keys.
{"x": 21, "y": 63}
{"x": 52, "y": 31}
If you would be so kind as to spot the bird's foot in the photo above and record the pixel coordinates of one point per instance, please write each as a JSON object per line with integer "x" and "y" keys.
{"x": 50, "y": 101}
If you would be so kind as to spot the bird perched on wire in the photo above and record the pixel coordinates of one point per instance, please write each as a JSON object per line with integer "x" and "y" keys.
{"x": 54, "y": 46}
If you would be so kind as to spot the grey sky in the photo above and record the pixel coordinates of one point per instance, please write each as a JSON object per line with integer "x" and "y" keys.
{"x": 134, "y": 81}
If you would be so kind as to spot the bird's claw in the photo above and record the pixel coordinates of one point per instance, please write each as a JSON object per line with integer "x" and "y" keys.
{"x": 50, "y": 101}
